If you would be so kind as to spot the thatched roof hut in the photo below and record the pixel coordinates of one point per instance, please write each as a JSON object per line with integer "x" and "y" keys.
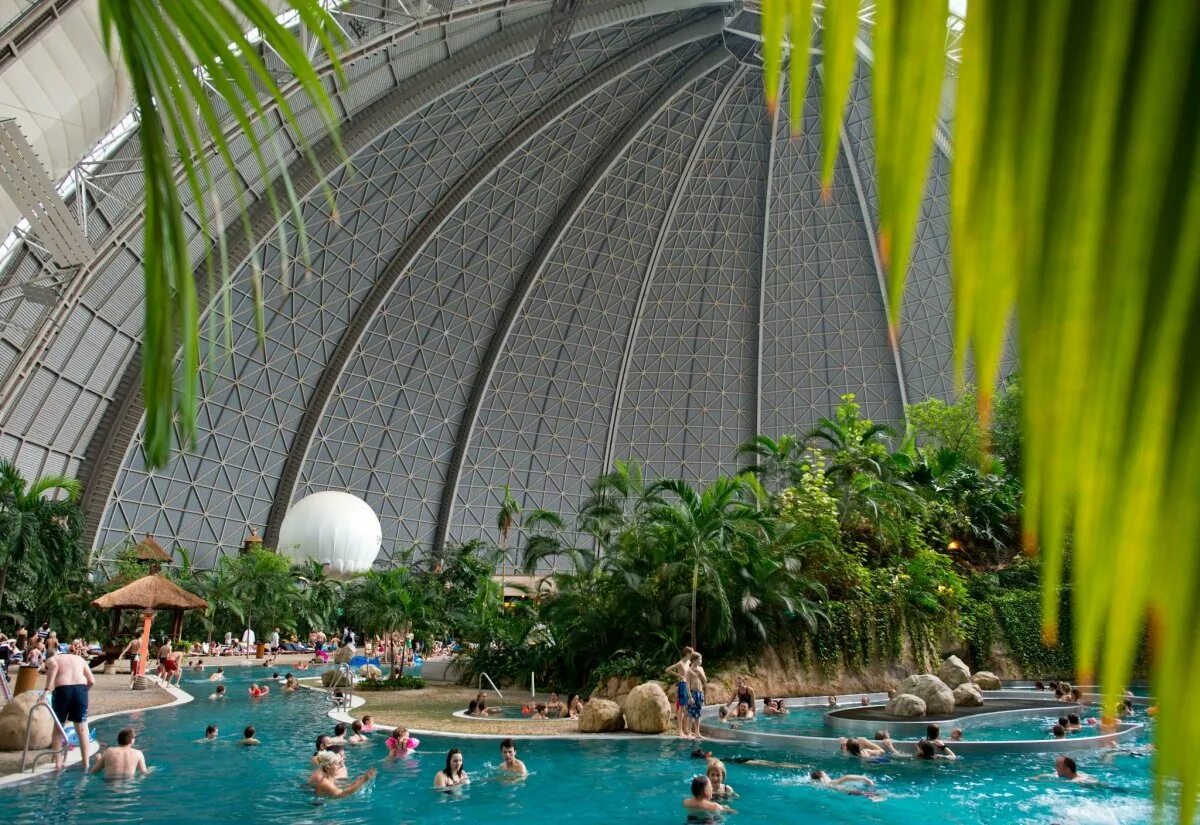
{"x": 153, "y": 592}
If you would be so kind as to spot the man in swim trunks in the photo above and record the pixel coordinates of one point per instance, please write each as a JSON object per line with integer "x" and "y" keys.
{"x": 701, "y": 798}
{"x": 70, "y": 679}
{"x": 123, "y": 760}
{"x": 697, "y": 682}
{"x": 1065, "y": 768}
{"x": 741, "y": 693}
{"x": 511, "y": 765}
{"x": 682, "y": 695}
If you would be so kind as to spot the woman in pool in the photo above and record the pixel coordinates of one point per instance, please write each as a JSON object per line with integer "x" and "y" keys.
{"x": 258, "y": 692}
{"x": 324, "y": 779}
{"x": 539, "y": 712}
{"x": 554, "y": 706}
{"x": 715, "y": 771}
{"x": 453, "y": 774}
{"x": 355, "y": 737}
{"x": 481, "y": 705}
{"x": 572, "y": 708}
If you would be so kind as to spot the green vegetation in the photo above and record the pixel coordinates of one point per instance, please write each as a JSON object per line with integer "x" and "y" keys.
{"x": 841, "y": 547}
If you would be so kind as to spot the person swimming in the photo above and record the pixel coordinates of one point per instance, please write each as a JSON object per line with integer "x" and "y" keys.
{"x": 324, "y": 779}
{"x": 368, "y": 723}
{"x": 928, "y": 750}
{"x": 219, "y": 693}
{"x": 754, "y": 761}
{"x": 701, "y": 798}
{"x": 355, "y": 737}
{"x": 400, "y": 744}
{"x": 219, "y": 676}
{"x": 453, "y": 774}
{"x": 715, "y": 771}
{"x": 539, "y": 711}
{"x": 248, "y": 737}
{"x": 509, "y": 763}
{"x": 210, "y": 735}
{"x": 865, "y": 748}
{"x": 1066, "y": 769}
{"x": 257, "y": 692}
{"x": 819, "y": 777}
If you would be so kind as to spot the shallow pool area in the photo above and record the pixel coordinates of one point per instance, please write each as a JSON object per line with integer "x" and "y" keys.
{"x": 583, "y": 780}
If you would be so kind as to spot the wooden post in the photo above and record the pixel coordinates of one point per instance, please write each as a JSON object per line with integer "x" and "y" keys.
{"x": 177, "y": 625}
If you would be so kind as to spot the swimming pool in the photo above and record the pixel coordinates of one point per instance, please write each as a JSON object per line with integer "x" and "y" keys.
{"x": 581, "y": 780}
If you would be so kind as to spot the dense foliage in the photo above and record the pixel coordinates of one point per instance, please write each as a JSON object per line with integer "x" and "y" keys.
{"x": 845, "y": 546}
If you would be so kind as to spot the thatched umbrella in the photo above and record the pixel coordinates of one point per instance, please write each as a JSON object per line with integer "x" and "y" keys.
{"x": 152, "y": 553}
{"x": 148, "y": 594}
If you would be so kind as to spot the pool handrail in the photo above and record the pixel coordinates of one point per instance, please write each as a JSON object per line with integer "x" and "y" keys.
{"x": 495, "y": 689}
{"x": 43, "y": 700}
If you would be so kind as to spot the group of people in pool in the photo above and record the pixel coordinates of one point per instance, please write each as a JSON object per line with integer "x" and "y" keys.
{"x": 328, "y": 761}
{"x": 555, "y": 708}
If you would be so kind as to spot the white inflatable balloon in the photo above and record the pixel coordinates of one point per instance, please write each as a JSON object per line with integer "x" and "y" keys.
{"x": 337, "y": 529}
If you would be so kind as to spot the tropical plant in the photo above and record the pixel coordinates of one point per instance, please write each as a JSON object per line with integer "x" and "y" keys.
{"x": 391, "y": 603}
{"x": 780, "y": 461}
{"x": 705, "y": 526}
{"x": 188, "y": 61}
{"x": 319, "y": 596}
{"x": 40, "y": 526}
{"x": 262, "y": 588}
{"x": 506, "y": 520}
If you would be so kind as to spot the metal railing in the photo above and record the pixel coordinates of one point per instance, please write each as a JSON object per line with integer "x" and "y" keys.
{"x": 341, "y": 690}
{"x": 495, "y": 689}
{"x": 43, "y": 701}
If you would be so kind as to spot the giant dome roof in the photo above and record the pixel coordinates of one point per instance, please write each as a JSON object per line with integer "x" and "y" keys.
{"x": 528, "y": 275}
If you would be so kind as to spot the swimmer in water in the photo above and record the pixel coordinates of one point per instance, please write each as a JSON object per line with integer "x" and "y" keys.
{"x": 248, "y": 737}
{"x": 324, "y": 780}
{"x": 219, "y": 676}
{"x": 289, "y": 684}
{"x": 219, "y": 693}
{"x": 355, "y": 737}
{"x": 715, "y": 771}
{"x": 833, "y": 703}
{"x": 927, "y": 750}
{"x": 749, "y": 760}
{"x": 863, "y": 748}
{"x": 1065, "y": 769}
{"x": 511, "y": 765}
{"x": 1073, "y": 723}
{"x": 122, "y": 761}
{"x": 773, "y": 707}
{"x": 453, "y": 774}
{"x": 701, "y": 798}
{"x": 368, "y": 723}
{"x": 865, "y": 701}
{"x": 825, "y": 780}
{"x": 956, "y": 735}
{"x": 210, "y": 735}
{"x": 258, "y": 691}
{"x": 399, "y": 744}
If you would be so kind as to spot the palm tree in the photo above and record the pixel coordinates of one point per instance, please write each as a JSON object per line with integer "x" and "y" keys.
{"x": 217, "y": 587}
{"x": 703, "y": 527}
{"x": 38, "y": 533}
{"x": 615, "y": 501}
{"x": 262, "y": 586}
{"x": 779, "y": 461}
{"x": 506, "y": 519}
{"x": 391, "y": 603}
{"x": 319, "y": 594}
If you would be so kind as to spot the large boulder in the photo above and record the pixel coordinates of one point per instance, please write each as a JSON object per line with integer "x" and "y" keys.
{"x": 344, "y": 654}
{"x": 905, "y": 704}
{"x": 647, "y": 709}
{"x": 15, "y": 717}
{"x": 954, "y": 672}
{"x": 336, "y": 678}
{"x": 939, "y": 699}
{"x": 986, "y": 680}
{"x": 601, "y": 716}
{"x": 967, "y": 696}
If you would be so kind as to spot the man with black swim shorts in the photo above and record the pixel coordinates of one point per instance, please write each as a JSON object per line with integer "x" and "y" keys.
{"x": 69, "y": 678}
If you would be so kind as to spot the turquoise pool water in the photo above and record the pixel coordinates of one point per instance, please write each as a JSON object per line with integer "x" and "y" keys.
{"x": 580, "y": 781}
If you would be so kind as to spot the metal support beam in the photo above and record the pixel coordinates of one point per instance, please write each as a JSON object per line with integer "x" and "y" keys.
{"x": 558, "y": 107}
{"x": 702, "y": 65}
{"x": 553, "y": 44}
{"x": 655, "y": 255}
{"x": 762, "y": 275}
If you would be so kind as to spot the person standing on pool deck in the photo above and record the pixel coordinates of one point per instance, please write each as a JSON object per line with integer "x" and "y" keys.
{"x": 697, "y": 682}
{"x": 453, "y": 774}
{"x": 123, "y": 760}
{"x": 511, "y": 765}
{"x": 680, "y": 670}
{"x": 69, "y": 678}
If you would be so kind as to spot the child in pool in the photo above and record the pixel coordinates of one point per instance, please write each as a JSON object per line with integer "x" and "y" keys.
{"x": 701, "y": 798}
{"x": 400, "y": 744}
{"x": 825, "y": 780}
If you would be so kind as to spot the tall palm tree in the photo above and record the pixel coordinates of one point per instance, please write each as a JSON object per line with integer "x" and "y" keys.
{"x": 703, "y": 527}
{"x": 391, "y": 603}
{"x": 615, "y": 501}
{"x": 262, "y": 586}
{"x": 38, "y": 532}
{"x": 506, "y": 520}
{"x": 319, "y": 594}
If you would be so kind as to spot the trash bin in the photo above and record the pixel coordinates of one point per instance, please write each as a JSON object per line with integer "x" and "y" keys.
{"x": 26, "y": 679}
{"x": 262, "y": 650}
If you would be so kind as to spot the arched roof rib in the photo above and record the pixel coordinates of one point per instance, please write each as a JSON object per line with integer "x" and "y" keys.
{"x": 471, "y": 108}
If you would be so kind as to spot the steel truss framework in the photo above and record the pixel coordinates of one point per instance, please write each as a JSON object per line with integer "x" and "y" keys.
{"x": 530, "y": 275}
